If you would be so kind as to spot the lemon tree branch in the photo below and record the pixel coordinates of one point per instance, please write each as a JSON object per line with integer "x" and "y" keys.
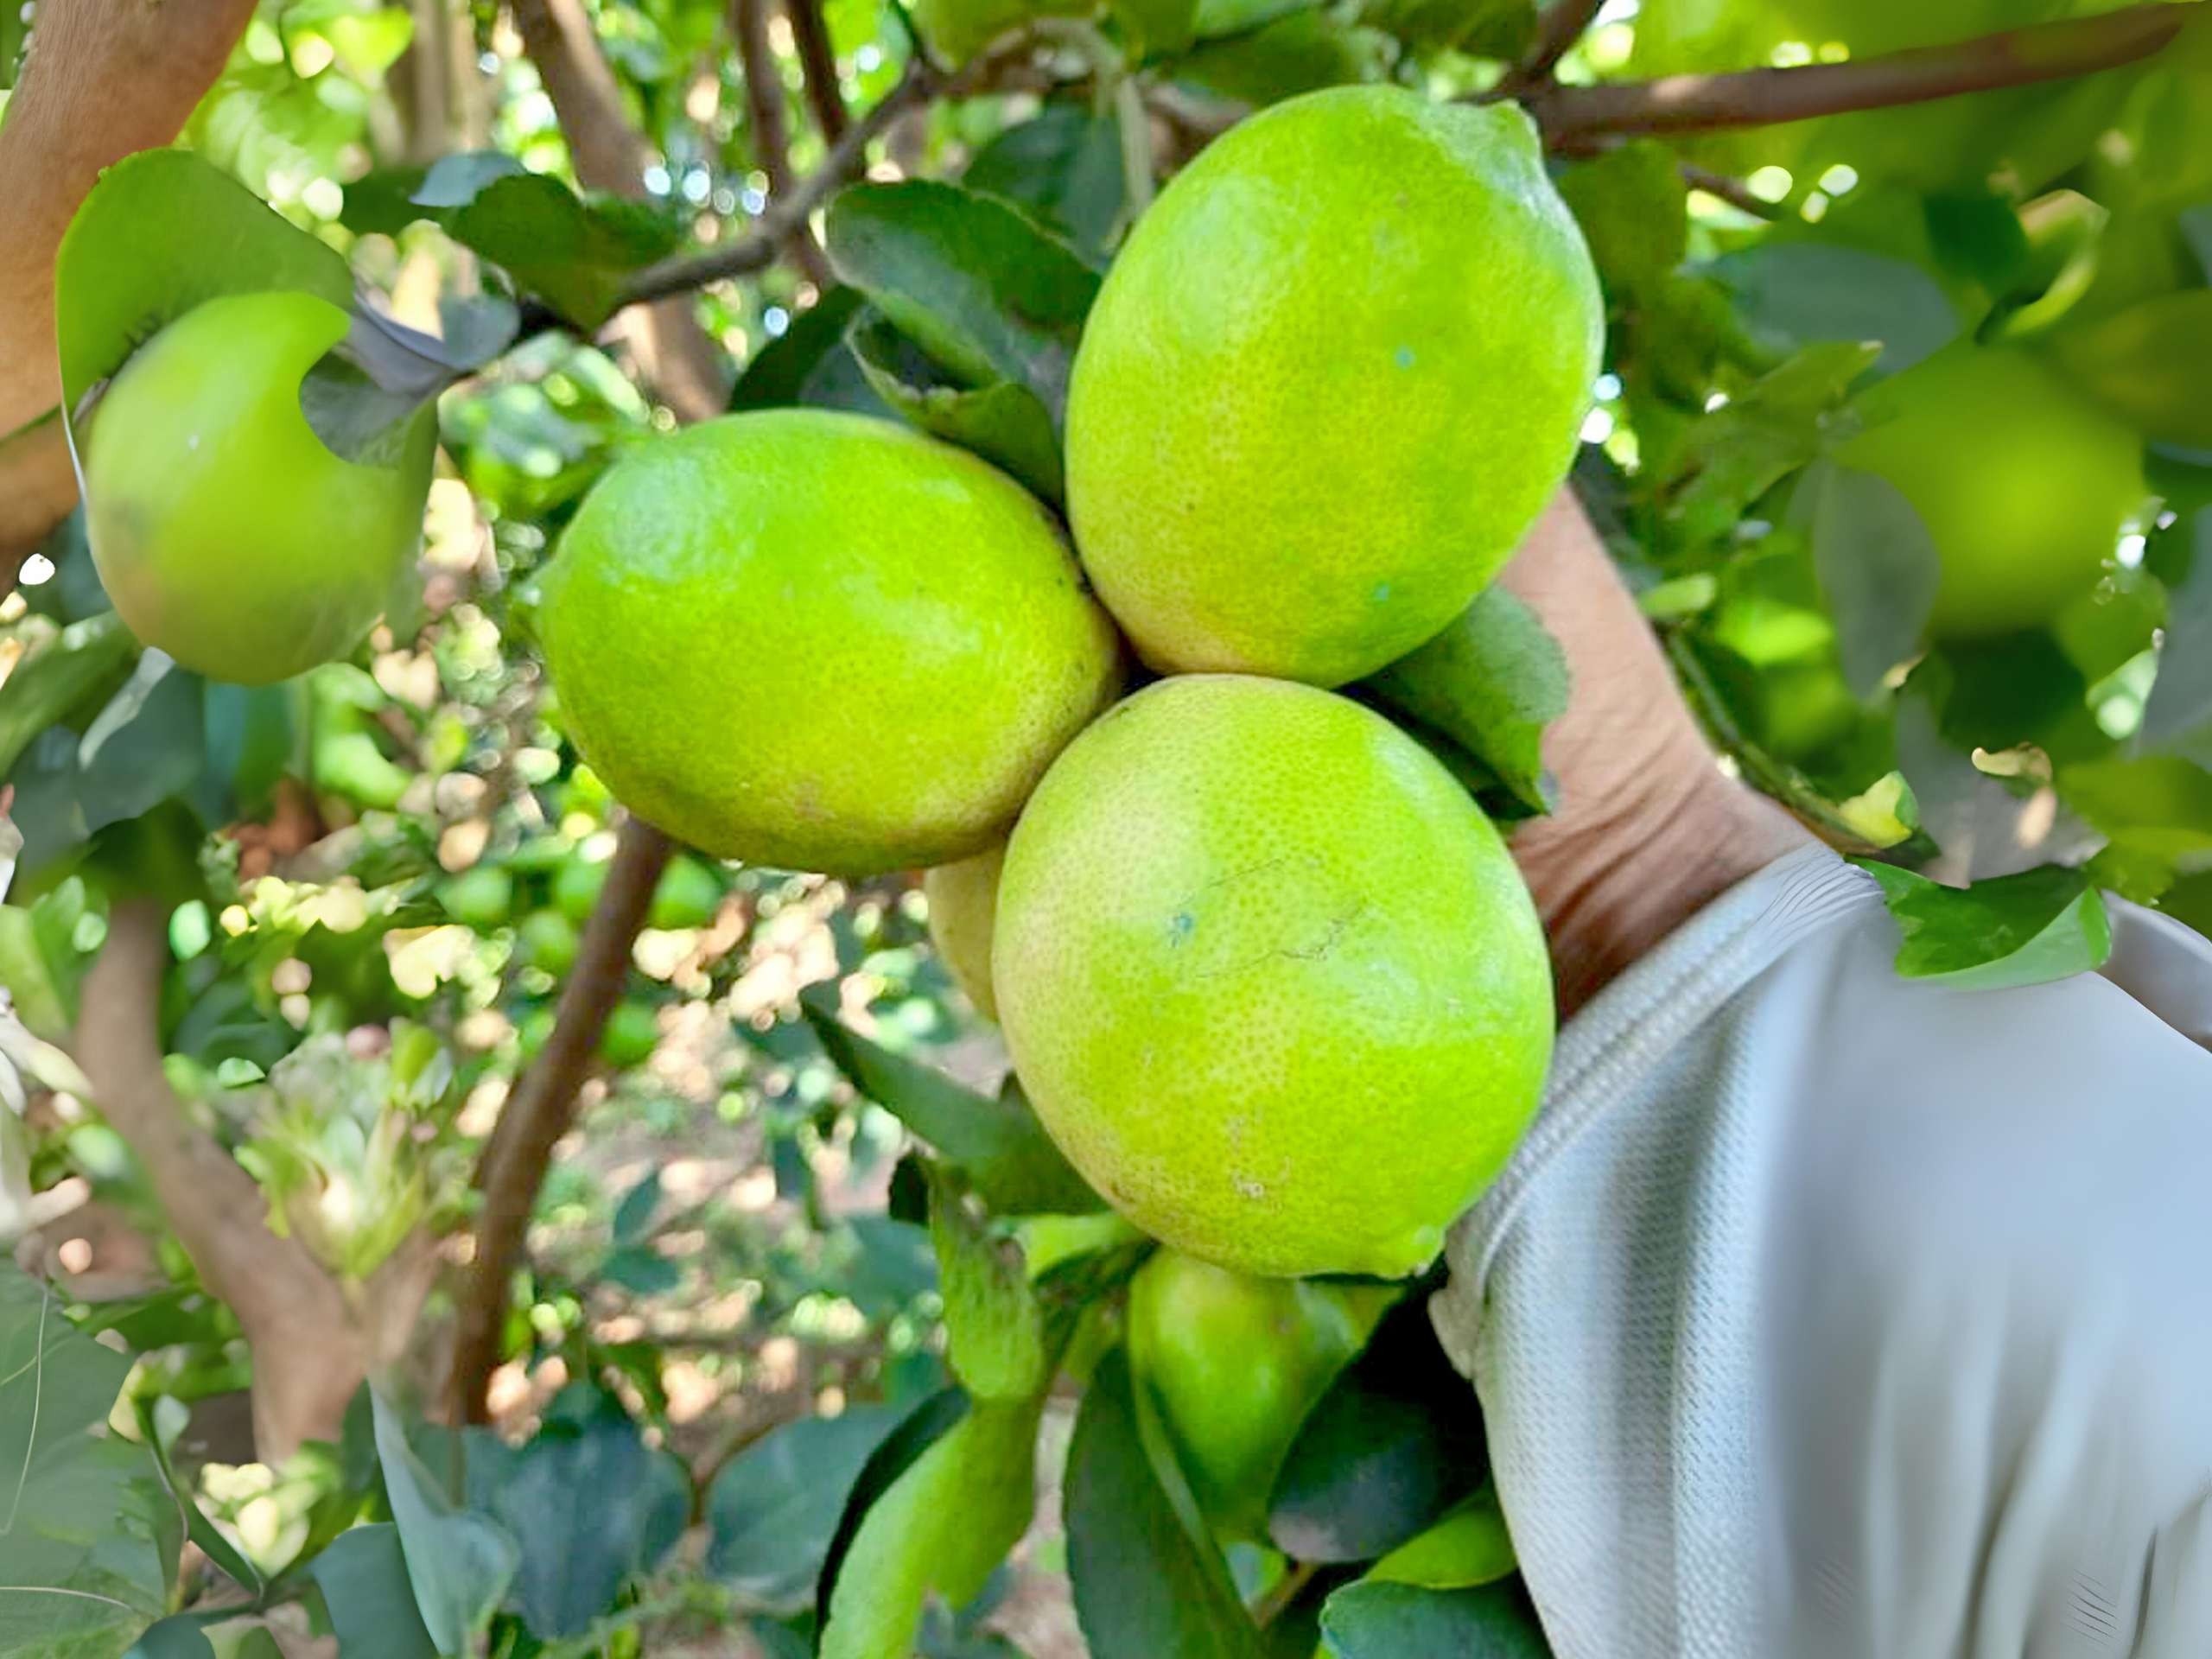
{"x": 764, "y": 117}
{"x": 542, "y": 1107}
{"x": 1756, "y": 98}
{"x": 819, "y": 62}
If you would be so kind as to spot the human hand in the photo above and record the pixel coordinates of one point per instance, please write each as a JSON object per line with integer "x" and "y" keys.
{"x": 1649, "y": 829}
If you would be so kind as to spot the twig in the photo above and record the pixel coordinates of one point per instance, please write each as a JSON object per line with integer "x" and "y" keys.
{"x": 1563, "y": 24}
{"x": 1756, "y": 98}
{"x": 817, "y": 61}
{"x": 772, "y": 137}
{"x": 514, "y": 1161}
{"x": 1283, "y": 1592}
{"x": 757, "y": 248}
{"x": 685, "y": 367}
{"x": 1733, "y": 191}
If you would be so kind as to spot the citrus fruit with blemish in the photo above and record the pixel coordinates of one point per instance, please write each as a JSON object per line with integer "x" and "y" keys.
{"x": 1270, "y": 977}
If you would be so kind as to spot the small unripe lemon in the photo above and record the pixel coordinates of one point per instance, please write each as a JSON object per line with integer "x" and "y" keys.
{"x": 2023, "y": 483}
{"x": 1270, "y": 978}
{"x": 1235, "y": 1364}
{"x": 227, "y": 533}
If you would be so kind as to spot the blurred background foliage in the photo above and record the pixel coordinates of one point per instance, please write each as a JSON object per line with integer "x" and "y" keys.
{"x": 376, "y": 878}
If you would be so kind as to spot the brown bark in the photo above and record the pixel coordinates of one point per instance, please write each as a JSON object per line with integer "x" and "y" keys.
{"x": 1757, "y": 98}
{"x": 100, "y": 81}
{"x": 675, "y": 355}
{"x": 819, "y": 61}
{"x": 312, "y": 1344}
{"x": 766, "y": 117}
{"x": 543, "y": 1108}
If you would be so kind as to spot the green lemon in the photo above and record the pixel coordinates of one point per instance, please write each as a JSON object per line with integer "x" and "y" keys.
{"x": 963, "y": 901}
{"x": 1235, "y": 1364}
{"x": 820, "y": 641}
{"x": 632, "y": 1033}
{"x": 1334, "y": 375}
{"x": 576, "y": 885}
{"x": 1270, "y": 978}
{"x": 482, "y": 896}
{"x": 226, "y": 532}
{"x": 687, "y": 895}
{"x": 2023, "y": 483}
{"x": 548, "y": 941}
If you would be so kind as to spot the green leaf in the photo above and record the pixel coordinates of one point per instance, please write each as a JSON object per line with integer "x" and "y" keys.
{"x": 1469, "y": 1547}
{"x": 1368, "y": 1620}
{"x": 1490, "y": 682}
{"x": 459, "y": 1564}
{"x": 88, "y": 1536}
{"x": 363, "y": 1578}
{"x": 940, "y": 1529}
{"x": 772, "y": 1511}
{"x": 1393, "y": 1445}
{"x": 1733, "y": 455}
{"x": 573, "y": 253}
{"x": 2157, "y": 803}
{"x": 58, "y": 682}
{"x": 1003, "y": 421}
{"x": 2041, "y": 924}
{"x": 1483, "y": 28}
{"x": 809, "y": 362}
{"x": 1634, "y": 210}
{"x": 633, "y": 1217}
{"x": 998, "y": 1144}
{"x": 2180, "y": 704}
{"x": 1148, "y": 1582}
{"x": 994, "y": 1324}
{"x": 1877, "y": 566}
{"x": 144, "y": 746}
{"x": 575, "y": 1557}
{"x": 173, "y": 1638}
{"x": 1063, "y": 168}
{"x": 2148, "y": 364}
{"x": 980, "y": 286}
{"x": 1796, "y": 294}
{"x": 162, "y": 231}
{"x": 1303, "y": 52}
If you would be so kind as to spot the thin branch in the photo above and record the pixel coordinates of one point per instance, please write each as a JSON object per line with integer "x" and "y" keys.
{"x": 1563, "y": 24}
{"x": 1757, "y": 98}
{"x": 771, "y": 131}
{"x": 1733, "y": 191}
{"x": 757, "y": 248}
{"x": 818, "y": 58}
{"x": 309, "y": 1354}
{"x": 543, "y": 1108}
{"x": 685, "y": 367}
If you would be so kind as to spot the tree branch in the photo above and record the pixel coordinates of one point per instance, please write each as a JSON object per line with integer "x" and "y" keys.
{"x": 1563, "y": 24}
{"x": 1733, "y": 191}
{"x": 757, "y": 248}
{"x": 543, "y": 1108}
{"x": 309, "y": 1353}
{"x": 818, "y": 59}
{"x": 100, "y": 82}
{"x": 772, "y": 139}
{"x": 683, "y": 365}
{"x": 1756, "y": 98}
